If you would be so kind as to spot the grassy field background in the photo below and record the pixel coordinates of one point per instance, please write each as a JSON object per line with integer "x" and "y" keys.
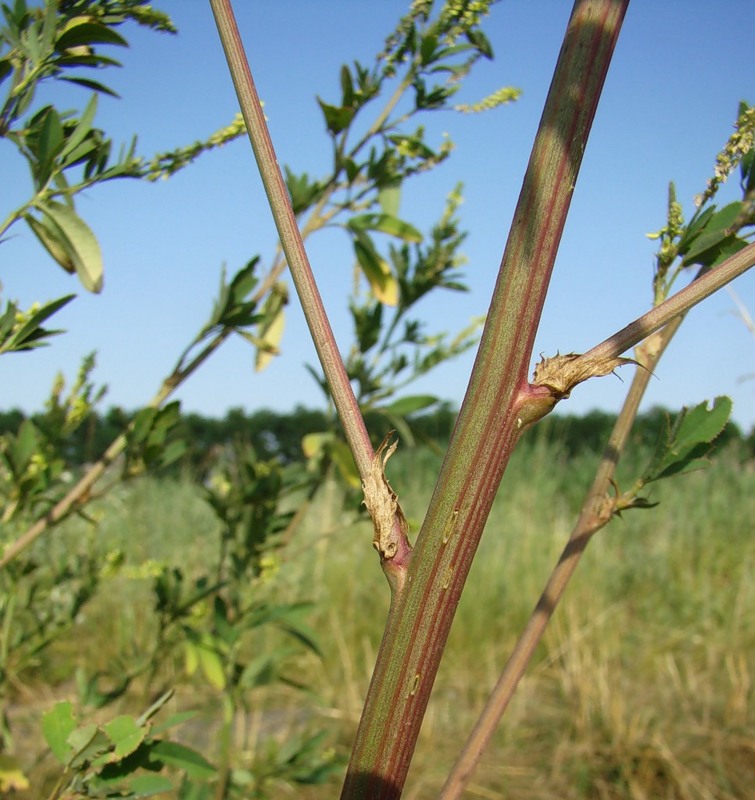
{"x": 642, "y": 688}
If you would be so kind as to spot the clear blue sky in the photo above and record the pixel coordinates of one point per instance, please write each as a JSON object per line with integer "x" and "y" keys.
{"x": 680, "y": 69}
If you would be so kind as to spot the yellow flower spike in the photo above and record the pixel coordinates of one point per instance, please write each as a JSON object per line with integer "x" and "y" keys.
{"x": 739, "y": 143}
{"x": 500, "y": 97}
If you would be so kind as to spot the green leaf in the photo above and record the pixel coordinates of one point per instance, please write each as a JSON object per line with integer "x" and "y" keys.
{"x": 177, "y": 755}
{"x": 51, "y": 238}
{"x": 142, "y": 425}
{"x": 385, "y": 223}
{"x": 480, "y": 42}
{"x": 81, "y": 131}
{"x": 689, "y": 440}
{"x": 260, "y": 671}
{"x": 347, "y": 87}
{"x": 174, "y": 720}
{"x": 125, "y": 735}
{"x": 212, "y": 666}
{"x": 727, "y": 248}
{"x": 49, "y": 27}
{"x": 234, "y": 308}
{"x": 344, "y": 461}
{"x": 48, "y": 145}
{"x": 24, "y": 446}
{"x": 408, "y": 405}
{"x": 88, "y": 83}
{"x": 173, "y": 452}
{"x": 694, "y": 229}
{"x": 5, "y": 69}
{"x": 57, "y": 725}
{"x": 148, "y": 786}
{"x": 78, "y": 242}
{"x": 336, "y": 118}
{"x": 314, "y": 445}
{"x": 304, "y": 635}
{"x": 31, "y": 334}
{"x": 389, "y": 198}
{"x": 427, "y": 49}
{"x": 377, "y": 271}
{"x": 706, "y": 245}
{"x": 88, "y": 743}
{"x": 87, "y": 33}
{"x": 351, "y": 168}
{"x": 270, "y": 330}
{"x": 302, "y": 192}
{"x": 155, "y": 707}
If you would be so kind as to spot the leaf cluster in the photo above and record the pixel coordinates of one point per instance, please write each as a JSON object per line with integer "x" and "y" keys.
{"x": 125, "y": 757}
{"x": 713, "y": 234}
{"x": 375, "y": 150}
{"x": 215, "y": 614}
{"x": 151, "y": 443}
{"x": 21, "y": 331}
{"x": 392, "y": 349}
{"x": 33, "y": 460}
{"x": 684, "y": 446}
{"x": 66, "y": 153}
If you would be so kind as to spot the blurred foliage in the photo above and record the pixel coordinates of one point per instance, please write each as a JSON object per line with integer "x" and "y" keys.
{"x": 712, "y": 234}
{"x": 279, "y": 434}
{"x": 66, "y": 153}
{"x": 124, "y": 757}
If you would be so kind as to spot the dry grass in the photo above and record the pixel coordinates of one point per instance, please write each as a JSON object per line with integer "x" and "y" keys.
{"x": 642, "y": 688}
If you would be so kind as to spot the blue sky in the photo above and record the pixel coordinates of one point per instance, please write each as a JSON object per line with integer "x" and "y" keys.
{"x": 680, "y": 69}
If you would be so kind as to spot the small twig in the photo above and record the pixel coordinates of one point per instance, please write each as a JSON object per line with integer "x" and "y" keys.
{"x": 596, "y": 513}
{"x": 678, "y": 304}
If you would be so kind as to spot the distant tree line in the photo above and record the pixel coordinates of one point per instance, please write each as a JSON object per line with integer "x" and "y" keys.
{"x": 275, "y": 434}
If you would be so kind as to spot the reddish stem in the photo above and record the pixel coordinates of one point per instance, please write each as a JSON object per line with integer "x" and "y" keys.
{"x": 497, "y": 407}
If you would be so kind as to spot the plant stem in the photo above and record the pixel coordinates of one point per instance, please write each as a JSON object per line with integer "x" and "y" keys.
{"x": 291, "y": 241}
{"x": 676, "y": 305}
{"x": 490, "y": 420}
{"x": 560, "y": 374}
{"x": 596, "y": 513}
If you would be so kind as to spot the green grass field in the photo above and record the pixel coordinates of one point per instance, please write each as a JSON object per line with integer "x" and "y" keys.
{"x": 642, "y": 688}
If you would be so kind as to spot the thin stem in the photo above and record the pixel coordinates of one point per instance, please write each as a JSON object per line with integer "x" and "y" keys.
{"x": 678, "y": 304}
{"x": 385, "y": 113}
{"x": 12, "y": 218}
{"x": 291, "y": 241}
{"x": 595, "y": 514}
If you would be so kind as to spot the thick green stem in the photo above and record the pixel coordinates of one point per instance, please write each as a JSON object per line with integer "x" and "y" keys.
{"x": 498, "y": 405}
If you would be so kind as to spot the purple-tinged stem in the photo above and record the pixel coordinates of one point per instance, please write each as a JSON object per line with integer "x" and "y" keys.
{"x": 498, "y": 405}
